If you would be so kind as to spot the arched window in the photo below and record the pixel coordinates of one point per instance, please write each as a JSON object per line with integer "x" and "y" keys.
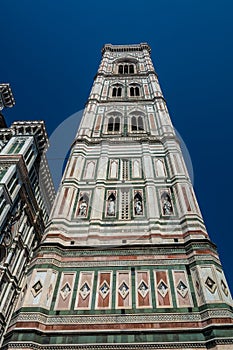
{"x": 134, "y": 91}
{"x": 126, "y": 68}
{"x": 137, "y": 123}
{"x": 117, "y": 124}
{"x": 114, "y": 124}
{"x": 131, "y": 68}
{"x": 117, "y": 91}
{"x": 120, "y": 69}
{"x": 110, "y": 124}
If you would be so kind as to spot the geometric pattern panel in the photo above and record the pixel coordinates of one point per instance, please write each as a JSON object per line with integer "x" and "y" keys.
{"x": 209, "y": 284}
{"x": 123, "y": 290}
{"x": 182, "y": 290}
{"x": 162, "y": 289}
{"x": 65, "y": 291}
{"x": 143, "y": 289}
{"x": 85, "y": 290}
{"x": 50, "y": 287}
{"x": 37, "y": 287}
{"x": 196, "y": 280}
{"x": 104, "y": 290}
{"x": 226, "y": 296}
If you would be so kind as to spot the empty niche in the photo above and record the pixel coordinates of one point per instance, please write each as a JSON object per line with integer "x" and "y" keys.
{"x": 138, "y": 205}
{"x": 166, "y": 203}
{"x": 111, "y": 204}
{"x": 113, "y": 173}
{"x": 159, "y": 168}
{"x": 83, "y": 204}
{"x": 136, "y": 168}
{"x": 90, "y": 170}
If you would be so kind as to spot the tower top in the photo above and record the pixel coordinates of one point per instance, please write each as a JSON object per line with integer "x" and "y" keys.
{"x": 6, "y": 100}
{"x": 126, "y": 48}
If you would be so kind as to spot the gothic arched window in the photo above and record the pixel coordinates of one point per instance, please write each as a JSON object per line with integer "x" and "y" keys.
{"x": 126, "y": 68}
{"x": 137, "y": 123}
{"x": 113, "y": 124}
{"x": 134, "y": 91}
{"x": 120, "y": 69}
{"x": 116, "y": 92}
{"x": 131, "y": 68}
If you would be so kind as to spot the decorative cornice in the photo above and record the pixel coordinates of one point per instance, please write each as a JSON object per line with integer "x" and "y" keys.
{"x": 126, "y": 48}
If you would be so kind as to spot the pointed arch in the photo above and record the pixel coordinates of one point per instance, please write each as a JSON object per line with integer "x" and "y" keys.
{"x": 159, "y": 168}
{"x": 90, "y": 169}
{"x": 137, "y": 123}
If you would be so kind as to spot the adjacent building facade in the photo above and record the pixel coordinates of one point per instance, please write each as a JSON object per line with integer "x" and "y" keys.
{"x": 125, "y": 261}
{"x": 26, "y": 197}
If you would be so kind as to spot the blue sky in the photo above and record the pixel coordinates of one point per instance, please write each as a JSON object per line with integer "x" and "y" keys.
{"x": 51, "y": 49}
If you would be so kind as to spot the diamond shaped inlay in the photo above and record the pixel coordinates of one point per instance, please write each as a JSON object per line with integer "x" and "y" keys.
{"x": 85, "y": 290}
{"x": 143, "y": 289}
{"x": 37, "y": 288}
{"x": 182, "y": 288}
{"x": 210, "y": 284}
{"x": 224, "y": 288}
{"x": 65, "y": 291}
{"x": 162, "y": 288}
{"x": 123, "y": 290}
{"x": 198, "y": 288}
{"x": 104, "y": 289}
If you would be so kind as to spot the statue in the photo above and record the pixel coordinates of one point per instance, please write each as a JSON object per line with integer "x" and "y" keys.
{"x": 138, "y": 207}
{"x": 83, "y": 208}
{"x": 111, "y": 207}
{"x": 167, "y": 206}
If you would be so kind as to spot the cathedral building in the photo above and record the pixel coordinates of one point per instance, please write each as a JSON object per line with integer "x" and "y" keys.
{"x": 125, "y": 261}
{"x": 26, "y": 196}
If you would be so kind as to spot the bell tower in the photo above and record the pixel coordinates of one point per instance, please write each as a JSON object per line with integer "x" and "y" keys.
{"x": 126, "y": 261}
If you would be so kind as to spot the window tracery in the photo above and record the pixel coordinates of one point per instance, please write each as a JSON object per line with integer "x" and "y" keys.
{"x": 134, "y": 91}
{"x": 116, "y": 90}
{"x": 126, "y": 68}
{"x": 113, "y": 124}
{"x": 137, "y": 123}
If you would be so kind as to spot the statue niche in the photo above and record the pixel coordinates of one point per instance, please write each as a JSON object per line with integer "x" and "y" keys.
{"x": 111, "y": 204}
{"x": 83, "y": 205}
{"x": 138, "y": 207}
{"x": 166, "y": 204}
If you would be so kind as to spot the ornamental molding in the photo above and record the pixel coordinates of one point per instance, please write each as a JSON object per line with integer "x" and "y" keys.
{"x": 93, "y": 264}
{"x": 154, "y": 262}
{"x": 113, "y": 252}
{"x": 119, "y": 319}
{"x": 135, "y": 346}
